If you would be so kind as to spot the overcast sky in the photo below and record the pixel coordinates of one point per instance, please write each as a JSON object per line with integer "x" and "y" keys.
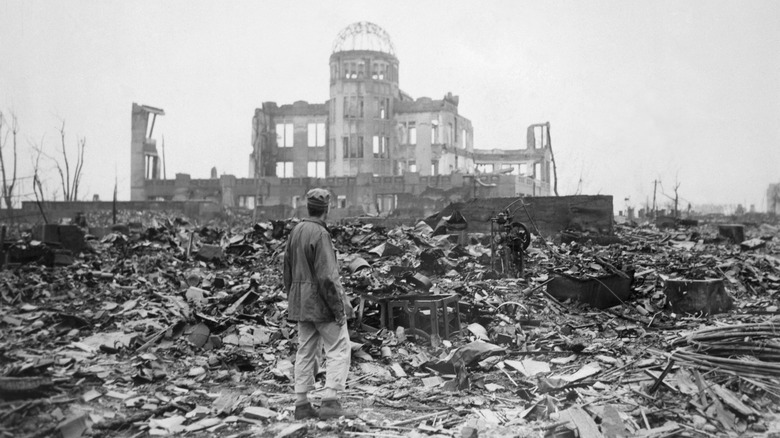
{"x": 684, "y": 92}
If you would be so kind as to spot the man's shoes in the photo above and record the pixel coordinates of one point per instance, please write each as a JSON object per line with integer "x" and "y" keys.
{"x": 333, "y": 409}
{"x": 305, "y": 411}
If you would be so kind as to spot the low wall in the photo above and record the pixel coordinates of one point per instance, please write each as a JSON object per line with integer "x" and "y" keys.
{"x": 55, "y": 211}
{"x": 551, "y": 214}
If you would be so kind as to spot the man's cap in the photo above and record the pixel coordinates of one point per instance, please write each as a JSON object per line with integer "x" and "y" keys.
{"x": 318, "y": 198}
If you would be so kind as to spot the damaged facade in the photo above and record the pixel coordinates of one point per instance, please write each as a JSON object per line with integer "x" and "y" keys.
{"x": 144, "y": 159}
{"x": 370, "y": 144}
{"x": 367, "y": 126}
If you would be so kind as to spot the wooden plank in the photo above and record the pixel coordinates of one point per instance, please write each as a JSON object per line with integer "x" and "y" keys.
{"x": 732, "y": 401}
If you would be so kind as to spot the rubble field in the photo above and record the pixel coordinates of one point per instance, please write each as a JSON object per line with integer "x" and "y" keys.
{"x": 171, "y": 328}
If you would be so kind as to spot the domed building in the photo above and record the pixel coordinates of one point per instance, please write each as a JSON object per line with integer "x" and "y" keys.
{"x": 373, "y": 146}
{"x": 368, "y": 126}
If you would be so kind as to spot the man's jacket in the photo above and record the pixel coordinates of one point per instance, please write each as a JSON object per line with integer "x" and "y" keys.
{"x": 311, "y": 274}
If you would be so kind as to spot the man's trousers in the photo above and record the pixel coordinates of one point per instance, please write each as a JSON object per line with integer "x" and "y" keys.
{"x": 335, "y": 339}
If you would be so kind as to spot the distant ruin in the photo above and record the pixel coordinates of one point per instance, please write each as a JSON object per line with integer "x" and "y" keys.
{"x": 371, "y": 144}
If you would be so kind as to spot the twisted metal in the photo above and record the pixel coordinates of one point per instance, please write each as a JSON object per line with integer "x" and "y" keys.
{"x": 363, "y": 36}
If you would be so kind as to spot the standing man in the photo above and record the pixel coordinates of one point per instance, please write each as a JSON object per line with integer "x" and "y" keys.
{"x": 317, "y": 302}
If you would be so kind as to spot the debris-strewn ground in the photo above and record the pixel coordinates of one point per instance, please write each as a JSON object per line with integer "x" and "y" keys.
{"x": 175, "y": 329}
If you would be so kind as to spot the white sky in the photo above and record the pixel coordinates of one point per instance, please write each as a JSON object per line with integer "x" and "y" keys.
{"x": 681, "y": 91}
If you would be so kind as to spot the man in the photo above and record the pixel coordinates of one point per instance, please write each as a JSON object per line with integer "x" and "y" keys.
{"x": 317, "y": 302}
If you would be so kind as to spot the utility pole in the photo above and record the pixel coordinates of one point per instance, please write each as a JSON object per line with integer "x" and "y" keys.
{"x": 163, "y": 157}
{"x": 113, "y": 199}
{"x": 655, "y": 187}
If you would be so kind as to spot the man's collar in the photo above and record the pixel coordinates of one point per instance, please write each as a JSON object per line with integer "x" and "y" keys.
{"x": 317, "y": 221}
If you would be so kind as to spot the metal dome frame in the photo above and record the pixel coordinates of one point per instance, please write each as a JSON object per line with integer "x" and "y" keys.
{"x": 363, "y": 35}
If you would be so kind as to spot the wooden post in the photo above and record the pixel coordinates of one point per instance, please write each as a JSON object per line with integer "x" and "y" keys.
{"x": 463, "y": 238}
{"x": 189, "y": 245}
{"x": 113, "y": 205}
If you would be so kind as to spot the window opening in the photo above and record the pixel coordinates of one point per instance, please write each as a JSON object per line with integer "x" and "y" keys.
{"x": 316, "y": 169}
{"x": 523, "y": 169}
{"x": 385, "y": 203}
{"x": 316, "y": 134}
{"x": 284, "y": 169}
{"x": 485, "y": 168}
{"x": 284, "y": 135}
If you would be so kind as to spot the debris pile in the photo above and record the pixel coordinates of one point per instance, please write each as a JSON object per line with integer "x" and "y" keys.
{"x": 168, "y": 327}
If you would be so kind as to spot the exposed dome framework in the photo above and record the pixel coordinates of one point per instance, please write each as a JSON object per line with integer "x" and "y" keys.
{"x": 363, "y": 36}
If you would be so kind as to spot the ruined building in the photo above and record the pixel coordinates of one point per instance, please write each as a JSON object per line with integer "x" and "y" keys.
{"x": 367, "y": 126}
{"x": 144, "y": 160}
{"x": 375, "y": 147}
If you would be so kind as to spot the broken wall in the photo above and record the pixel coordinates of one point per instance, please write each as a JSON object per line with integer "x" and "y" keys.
{"x": 68, "y": 210}
{"x": 145, "y": 163}
{"x": 551, "y": 214}
{"x": 364, "y": 190}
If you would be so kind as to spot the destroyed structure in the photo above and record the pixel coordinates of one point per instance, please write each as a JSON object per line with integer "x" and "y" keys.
{"x": 372, "y": 145}
{"x": 170, "y": 328}
{"x": 143, "y": 149}
{"x": 469, "y": 323}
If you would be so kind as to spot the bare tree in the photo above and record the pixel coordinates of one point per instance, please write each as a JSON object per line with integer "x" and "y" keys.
{"x": 70, "y": 183}
{"x": 37, "y": 185}
{"x": 676, "y": 199}
{"x": 9, "y": 181}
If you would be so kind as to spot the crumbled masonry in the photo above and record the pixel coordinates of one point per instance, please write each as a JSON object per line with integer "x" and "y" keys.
{"x": 170, "y": 327}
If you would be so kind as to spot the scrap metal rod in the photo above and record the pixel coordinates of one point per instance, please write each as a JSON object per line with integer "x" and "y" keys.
{"x": 661, "y": 378}
{"x": 420, "y": 418}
